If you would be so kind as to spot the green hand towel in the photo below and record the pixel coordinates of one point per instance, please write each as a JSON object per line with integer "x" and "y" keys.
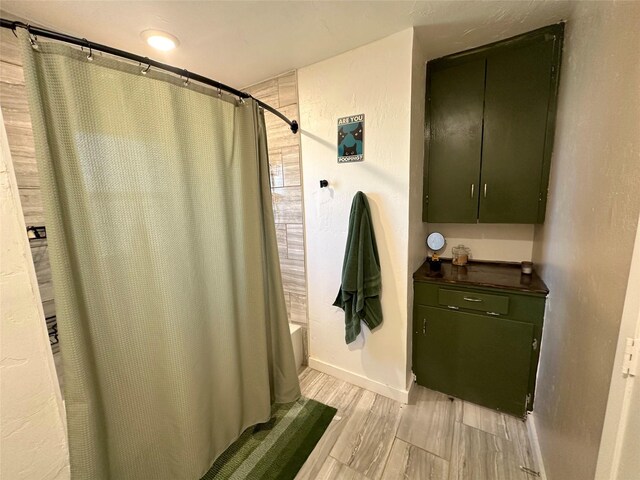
{"x": 359, "y": 294}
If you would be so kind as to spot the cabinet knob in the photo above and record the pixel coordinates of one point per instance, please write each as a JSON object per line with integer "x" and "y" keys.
{"x": 473, "y": 186}
{"x": 485, "y": 190}
{"x": 424, "y": 326}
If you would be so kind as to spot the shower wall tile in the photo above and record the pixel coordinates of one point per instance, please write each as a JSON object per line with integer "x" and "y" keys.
{"x": 266, "y": 91}
{"x": 13, "y": 112}
{"x": 27, "y": 170}
{"x": 32, "y": 207}
{"x": 13, "y": 96}
{"x": 287, "y": 89}
{"x": 279, "y": 133}
{"x": 293, "y": 276}
{"x": 49, "y": 308}
{"x": 20, "y": 140}
{"x": 290, "y": 158}
{"x": 287, "y": 204}
{"x": 281, "y": 237}
{"x": 295, "y": 241}
{"x": 298, "y": 308}
{"x": 275, "y": 168}
{"x": 287, "y": 301}
{"x": 10, "y": 47}
{"x": 17, "y": 120}
{"x": 44, "y": 281}
{"x": 11, "y": 73}
{"x": 284, "y": 152}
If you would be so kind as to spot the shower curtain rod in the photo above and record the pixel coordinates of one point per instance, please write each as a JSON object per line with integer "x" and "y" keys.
{"x": 83, "y": 42}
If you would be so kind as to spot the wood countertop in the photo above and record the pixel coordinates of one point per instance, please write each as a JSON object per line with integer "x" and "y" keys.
{"x": 503, "y": 275}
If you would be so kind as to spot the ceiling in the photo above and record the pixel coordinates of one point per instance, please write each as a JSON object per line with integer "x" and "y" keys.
{"x": 243, "y": 42}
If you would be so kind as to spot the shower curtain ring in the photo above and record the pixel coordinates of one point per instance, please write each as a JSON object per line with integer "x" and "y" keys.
{"x": 90, "y": 55}
{"x": 144, "y": 71}
{"x": 219, "y": 92}
{"x": 186, "y": 82}
{"x": 32, "y": 39}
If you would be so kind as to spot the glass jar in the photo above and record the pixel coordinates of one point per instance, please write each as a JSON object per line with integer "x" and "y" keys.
{"x": 460, "y": 255}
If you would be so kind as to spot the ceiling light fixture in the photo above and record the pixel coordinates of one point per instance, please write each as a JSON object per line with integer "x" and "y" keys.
{"x": 160, "y": 40}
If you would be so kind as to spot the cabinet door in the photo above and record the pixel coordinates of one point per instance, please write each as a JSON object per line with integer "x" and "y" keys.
{"x": 517, "y": 104}
{"x": 455, "y": 102}
{"x": 478, "y": 358}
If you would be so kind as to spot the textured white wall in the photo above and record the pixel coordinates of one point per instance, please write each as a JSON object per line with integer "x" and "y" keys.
{"x": 32, "y": 422}
{"x": 374, "y": 80}
{"x": 585, "y": 245}
{"x": 417, "y": 229}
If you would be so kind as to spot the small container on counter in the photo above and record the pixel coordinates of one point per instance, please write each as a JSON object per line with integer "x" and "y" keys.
{"x": 435, "y": 265}
{"x": 527, "y": 268}
{"x": 460, "y": 255}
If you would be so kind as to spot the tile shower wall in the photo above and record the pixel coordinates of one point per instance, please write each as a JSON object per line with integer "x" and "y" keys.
{"x": 13, "y": 100}
{"x": 284, "y": 164}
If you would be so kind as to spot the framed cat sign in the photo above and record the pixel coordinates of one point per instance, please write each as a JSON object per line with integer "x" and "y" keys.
{"x": 351, "y": 139}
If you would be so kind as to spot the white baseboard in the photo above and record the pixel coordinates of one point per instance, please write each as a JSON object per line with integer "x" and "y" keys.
{"x": 535, "y": 444}
{"x": 393, "y": 393}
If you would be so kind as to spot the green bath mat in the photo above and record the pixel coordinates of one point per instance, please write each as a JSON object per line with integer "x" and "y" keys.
{"x": 276, "y": 449}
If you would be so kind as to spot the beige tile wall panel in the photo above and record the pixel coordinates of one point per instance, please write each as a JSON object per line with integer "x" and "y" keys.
{"x": 9, "y": 52}
{"x": 278, "y": 132}
{"x": 275, "y": 168}
{"x": 287, "y": 90}
{"x": 12, "y": 73}
{"x": 287, "y": 204}
{"x": 295, "y": 241}
{"x": 40, "y": 254}
{"x": 32, "y": 208}
{"x": 13, "y": 98}
{"x": 49, "y": 308}
{"x": 298, "y": 308}
{"x": 26, "y": 169}
{"x": 266, "y": 91}
{"x": 293, "y": 277}
{"x": 20, "y": 140}
{"x": 284, "y": 164}
{"x": 281, "y": 238}
{"x": 290, "y": 158}
{"x": 17, "y": 120}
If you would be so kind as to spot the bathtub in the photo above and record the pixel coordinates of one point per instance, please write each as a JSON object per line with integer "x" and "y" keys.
{"x": 296, "y": 341}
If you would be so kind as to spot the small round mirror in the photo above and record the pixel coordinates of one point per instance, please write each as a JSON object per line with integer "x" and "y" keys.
{"x": 435, "y": 241}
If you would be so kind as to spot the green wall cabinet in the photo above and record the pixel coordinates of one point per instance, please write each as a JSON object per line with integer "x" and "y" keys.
{"x": 490, "y": 116}
{"x": 477, "y": 342}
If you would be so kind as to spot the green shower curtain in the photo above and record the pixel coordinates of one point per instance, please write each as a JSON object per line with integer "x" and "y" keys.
{"x": 170, "y": 305}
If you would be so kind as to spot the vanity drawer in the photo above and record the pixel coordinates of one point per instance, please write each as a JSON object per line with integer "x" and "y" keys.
{"x": 514, "y": 305}
{"x": 483, "y": 302}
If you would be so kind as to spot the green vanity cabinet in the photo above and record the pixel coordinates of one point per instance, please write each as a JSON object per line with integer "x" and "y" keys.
{"x": 477, "y": 332}
{"x": 490, "y": 119}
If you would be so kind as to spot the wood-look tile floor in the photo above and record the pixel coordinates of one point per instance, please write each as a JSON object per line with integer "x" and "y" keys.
{"x": 434, "y": 437}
